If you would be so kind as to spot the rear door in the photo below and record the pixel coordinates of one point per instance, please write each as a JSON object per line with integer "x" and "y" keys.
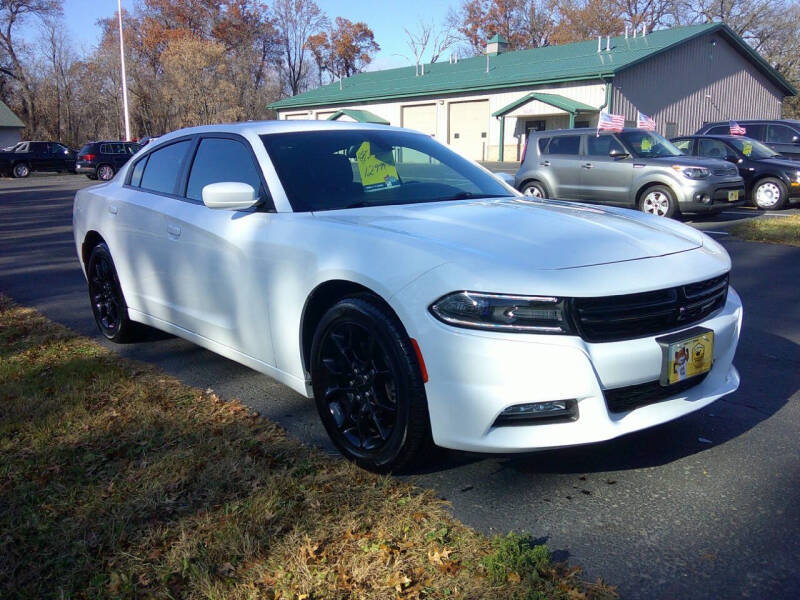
{"x": 783, "y": 139}
{"x": 603, "y": 178}
{"x": 41, "y": 158}
{"x": 215, "y": 275}
{"x": 137, "y": 216}
{"x": 561, "y": 157}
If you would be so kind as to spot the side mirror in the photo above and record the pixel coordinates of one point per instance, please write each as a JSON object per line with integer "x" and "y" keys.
{"x": 795, "y": 139}
{"x": 732, "y": 158}
{"x": 229, "y": 195}
{"x": 617, "y": 153}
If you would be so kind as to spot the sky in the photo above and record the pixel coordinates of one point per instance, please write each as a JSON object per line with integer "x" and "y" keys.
{"x": 387, "y": 23}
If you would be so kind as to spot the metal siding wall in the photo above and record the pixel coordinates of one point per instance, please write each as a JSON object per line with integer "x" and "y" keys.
{"x": 672, "y": 87}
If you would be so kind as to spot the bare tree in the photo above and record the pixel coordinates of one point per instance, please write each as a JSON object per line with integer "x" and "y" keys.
{"x": 14, "y": 13}
{"x": 296, "y": 21}
{"x": 418, "y": 41}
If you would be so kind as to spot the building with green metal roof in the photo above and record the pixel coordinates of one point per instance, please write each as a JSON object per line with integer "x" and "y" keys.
{"x": 681, "y": 77}
{"x": 10, "y": 126}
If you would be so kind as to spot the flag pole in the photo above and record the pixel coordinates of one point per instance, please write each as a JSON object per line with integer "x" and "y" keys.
{"x": 124, "y": 78}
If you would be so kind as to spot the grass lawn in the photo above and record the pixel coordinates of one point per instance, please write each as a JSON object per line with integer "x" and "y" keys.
{"x": 778, "y": 230}
{"x": 117, "y": 481}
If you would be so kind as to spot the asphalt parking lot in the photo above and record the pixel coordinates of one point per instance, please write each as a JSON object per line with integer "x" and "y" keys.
{"x": 704, "y": 507}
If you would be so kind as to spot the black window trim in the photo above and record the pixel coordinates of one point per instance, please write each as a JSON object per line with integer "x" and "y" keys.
{"x": 267, "y": 204}
{"x": 146, "y": 156}
{"x": 179, "y": 191}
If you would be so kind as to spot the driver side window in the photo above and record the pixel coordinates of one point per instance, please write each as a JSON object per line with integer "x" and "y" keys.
{"x": 713, "y": 149}
{"x": 218, "y": 160}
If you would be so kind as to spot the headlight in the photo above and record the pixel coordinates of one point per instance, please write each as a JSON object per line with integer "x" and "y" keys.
{"x": 501, "y": 312}
{"x": 692, "y": 172}
{"x": 796, "y": 177}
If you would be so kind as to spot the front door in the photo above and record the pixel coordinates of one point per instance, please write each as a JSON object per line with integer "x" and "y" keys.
{"x": 213, "y": 256}
{"x": 603, "y": 178}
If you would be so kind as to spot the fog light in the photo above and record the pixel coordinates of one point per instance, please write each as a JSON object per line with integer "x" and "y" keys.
{"x": 539, "y": 412}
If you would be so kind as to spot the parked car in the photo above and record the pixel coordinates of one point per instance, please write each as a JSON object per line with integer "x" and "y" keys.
{"x": 101, "y": 160}
{"x": 782, "y": 135}
{"x": 408, "y": 291}
{"x": 633, "y": 168}
{"x": 26, "y": 157}
{"x": 770, "y": 180}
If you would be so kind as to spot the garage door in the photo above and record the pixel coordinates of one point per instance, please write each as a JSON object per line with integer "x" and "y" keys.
{"x": 297, "y": 116}
{"x": 468, "y": 127}
{"x": 422, "y": 118}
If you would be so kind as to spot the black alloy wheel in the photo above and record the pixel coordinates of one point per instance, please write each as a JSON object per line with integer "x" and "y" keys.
{"x": 368, "y": 386}
{"x": 105, "y": 294}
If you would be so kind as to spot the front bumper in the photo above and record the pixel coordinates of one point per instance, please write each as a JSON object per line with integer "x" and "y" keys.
{"x": 711, "y": 195}
{"x": 475, "y": 375}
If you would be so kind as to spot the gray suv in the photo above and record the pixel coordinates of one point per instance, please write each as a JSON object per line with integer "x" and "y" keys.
{"x": 633, "y": 168}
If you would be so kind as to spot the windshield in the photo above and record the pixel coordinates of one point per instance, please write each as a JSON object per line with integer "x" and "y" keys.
{"x": 327, "y": 170}
{"x": 648, "y": 144}
{"x": 752, "y": 149}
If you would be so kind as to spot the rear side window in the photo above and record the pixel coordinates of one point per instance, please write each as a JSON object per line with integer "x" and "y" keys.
{"x": 87, "y": 149}
{"x": 780, "y": 134}
{"x": 756, "y": 131}
{"x": 138, "y": 170}
{"x": 565, "y": 144}
{"x": 163, "y": 168}
{"x": 543, "y": 143}
{"x": 601, "y": 146}
{"x": 219, "y": 160}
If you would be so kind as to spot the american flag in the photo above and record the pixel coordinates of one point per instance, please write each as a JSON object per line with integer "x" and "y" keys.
{"x": 609, "y": 122}
{"x": 737, "y": 129}
{"x": 645, "y": 122}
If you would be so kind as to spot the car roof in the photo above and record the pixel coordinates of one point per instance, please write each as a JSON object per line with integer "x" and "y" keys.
{"x": 716, "y": 136}
{"x": 745, "y": 121}
{"x": 579, "y": 131}
{"x": 269, "y": 127}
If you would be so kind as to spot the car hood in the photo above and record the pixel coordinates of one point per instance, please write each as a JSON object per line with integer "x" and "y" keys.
{"x": 539, "y": 234}
{"x": 783, "y": 163}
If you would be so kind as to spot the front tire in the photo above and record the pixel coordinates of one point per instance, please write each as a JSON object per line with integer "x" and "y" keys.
{"x": 105, "y": 294}
{"x": 21, "y": 170}
{"x": 658, "y": 200}
{"x": 769, "y": 194}
{"x": 368, "y": 385}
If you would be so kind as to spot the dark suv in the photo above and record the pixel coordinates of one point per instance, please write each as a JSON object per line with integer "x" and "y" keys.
{"x": 782, "y": 135}
{"x": 101, "y": 160}
{"x": 24, "y": 157}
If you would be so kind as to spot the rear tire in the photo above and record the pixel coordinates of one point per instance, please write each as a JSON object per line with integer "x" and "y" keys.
{"x": 534, "y": 189}
{"x": 769, "y": 194}
{"x": 105, "y": 172}
{"x": 658, "y": 200}
{"x": 108, "y": 303}
{"x": 368, "y": 385}
{"x": 21, "y": 170}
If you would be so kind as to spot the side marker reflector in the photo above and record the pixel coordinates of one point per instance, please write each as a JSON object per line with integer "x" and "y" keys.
{"x": 422, "y": 367}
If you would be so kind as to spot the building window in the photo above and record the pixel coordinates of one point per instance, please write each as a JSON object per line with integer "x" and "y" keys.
{"x": 581, "y": 124}
{"x": 671, "y": 131}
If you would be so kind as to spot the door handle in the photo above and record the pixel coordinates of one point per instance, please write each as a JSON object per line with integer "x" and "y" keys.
{"x": 545, "y": 163}
{"x": 588, "y": 166}
{"x": 174, "y": 230}
{"x": 112, "y": 209}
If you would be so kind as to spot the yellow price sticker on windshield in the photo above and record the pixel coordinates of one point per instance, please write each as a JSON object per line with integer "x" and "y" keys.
{"x": 747, "y": 148}
{"x": 647, "y": 144}
{"x": 376, "y": 172}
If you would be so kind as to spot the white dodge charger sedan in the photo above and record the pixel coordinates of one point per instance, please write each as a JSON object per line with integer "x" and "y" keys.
{"x": 413, "y": 295}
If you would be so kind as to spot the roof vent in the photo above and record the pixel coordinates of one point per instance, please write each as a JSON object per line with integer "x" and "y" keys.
{"x": 496, "y": 45}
